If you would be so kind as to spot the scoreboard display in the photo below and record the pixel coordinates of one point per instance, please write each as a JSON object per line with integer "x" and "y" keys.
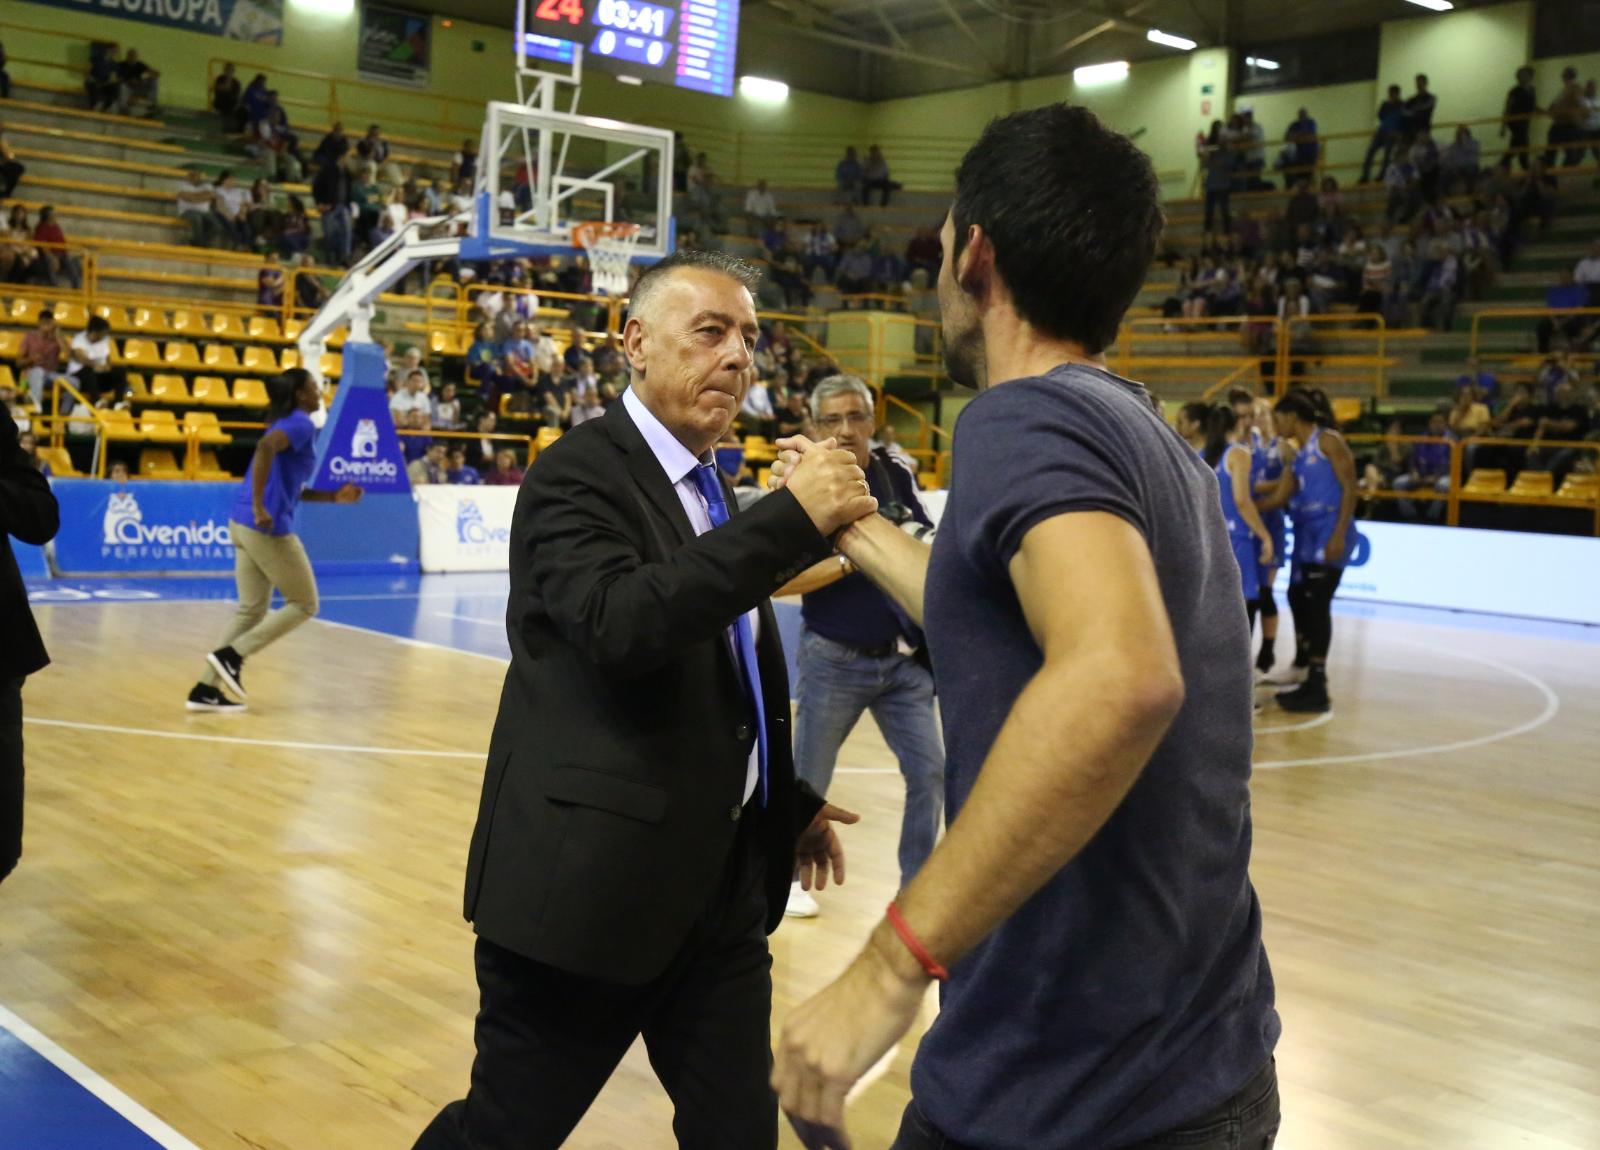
{"x": 689, "y": 44}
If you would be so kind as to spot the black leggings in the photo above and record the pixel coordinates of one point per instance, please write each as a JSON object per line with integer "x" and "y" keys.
{"x": 10, "y": 773}
{"x": 1311, "y": 604}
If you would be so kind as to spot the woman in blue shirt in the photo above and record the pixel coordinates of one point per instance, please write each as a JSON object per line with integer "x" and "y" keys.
{"x": 1234, "y": 467}
{"x": 267, "y": 552}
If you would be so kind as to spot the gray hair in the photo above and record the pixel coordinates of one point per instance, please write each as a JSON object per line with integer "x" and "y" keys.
{"x": 836, "y": 385}
{"x": 654, "y": 276}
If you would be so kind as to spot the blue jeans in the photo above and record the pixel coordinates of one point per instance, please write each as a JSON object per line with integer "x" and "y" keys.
{"x": 1247, "y": 1121}
{"x": 336, "y": 238}
{"x": 836, "y": 684}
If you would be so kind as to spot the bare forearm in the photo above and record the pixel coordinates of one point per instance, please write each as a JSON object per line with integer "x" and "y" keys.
{"x": 814, "y": 578}
{"x": 259, "y": 474}
{"x": 1074, "y": 743}
{"x": 893, "y": 560}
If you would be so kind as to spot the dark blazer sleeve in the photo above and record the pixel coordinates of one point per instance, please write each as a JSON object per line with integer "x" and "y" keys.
{"x": 28, "y": 507}
{"x": 628, "y": 615}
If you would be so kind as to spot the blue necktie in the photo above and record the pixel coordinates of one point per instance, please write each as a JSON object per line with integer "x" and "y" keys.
{"x": 744, "y": 640}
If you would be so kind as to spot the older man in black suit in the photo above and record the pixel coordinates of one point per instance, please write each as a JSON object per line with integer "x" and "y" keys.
{"x": 640, "y": 820}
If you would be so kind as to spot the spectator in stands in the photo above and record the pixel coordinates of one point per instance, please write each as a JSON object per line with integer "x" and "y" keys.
{"x": 447, "y": 409}
{"x": 506, "y": 473}
{"x": 1391, "y": 126}
{"x": 1405, "y": 189}
{"x": 1518, "y": 419}
{"x": 195, "y": 199}
{"x": 855, "y": 270}
{"x": 413, "y": 396}
{"x": 101, "y": 84}
{"x": 848, "y": 227}
{"x": 89, "y": 366}
{"x": 586, "y": 403}
{"x": 1516, "y": 120}
{"x": 367, "y": 207}
{"x": 1217, "y": 161}
{"x": 137, "y": 84}
{"x": 39, "y": 360}
{"x": 11, "y": 169}
{"x": 1571, "y": 329}
{"x": 57, "y": 261}
{"x": 1591, "y": 117}
{"x": 1438, "y": 303}
{"x": 332, "y": 148}
{"x": 875, "y": 177}
{"x": 270, "y": 283}
{"x": 1469, "y": 415}
{"x": 482, "y": 354}
{"x": 294, "y": 231}
{"x": 1566, "y": 418}
{"x": 1483, "y": 382}
{"x": 480, "y": 449}
{"x": 1461, "y": 162}
{"x": 756, "y": 414}
{"x": 330, "y": 189}
{"x": 254, "y": 102}
{"x": 889, "y": 440}
{"x": 1252, "y": 148}
{"x": 924, "y": 251}
{"x": 432, "y": 467}
{"x": 309, "y": 290}
{"x": 1587, "y": 274}
{"x": 1429, "y": 467}
{"x": 374, "y": 147}
{"x": 848, "y": 175}
{"x": 231, "y": 207}
{"x": 760, "y": 206}
{"x": 821, "y": 251}
{"x": 1302, "y": 139}
{"x": 1551, "y": 374}
{"x": 19, "y": 259}
{"x": 282, "y": 141}
{"x": 1419, "y": 108}
{"x": 227, "y": 99}
{"x": 457, "y": 471}
{"x": 1566, "y": 122}
{"x": 5, "y": 75}
{"x": 464, "y": 164}
{"x": 793, "y": 417}
{"x": 262, "y": 214}
{"x": 1375, "y": 278}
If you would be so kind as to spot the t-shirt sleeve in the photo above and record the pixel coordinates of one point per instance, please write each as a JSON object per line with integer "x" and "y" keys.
{"x": 1025, "y": 457}
{"x": 300, "y": 430}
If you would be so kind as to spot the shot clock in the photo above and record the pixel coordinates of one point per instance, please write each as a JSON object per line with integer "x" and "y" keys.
{"x": 690, "y": 44}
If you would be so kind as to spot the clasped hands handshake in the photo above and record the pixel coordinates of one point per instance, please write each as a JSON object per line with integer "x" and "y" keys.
{"x": 827, "y": 481}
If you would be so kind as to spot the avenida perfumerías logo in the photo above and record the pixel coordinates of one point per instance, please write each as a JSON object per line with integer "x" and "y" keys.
{"x": 122, "y": 512}
{"x": 472, "y": 531}
{"x": 124, "y": 531}
{"x": 364, "y": 443}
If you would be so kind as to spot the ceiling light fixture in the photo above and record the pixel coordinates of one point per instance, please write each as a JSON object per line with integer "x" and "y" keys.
{"x": 760, "y": 88}
{"x": 1263, "y": 63}
{"x": 1156, "y": 36}
{"x": 1434, "y": 5}
{"x": 1100, "y": 73}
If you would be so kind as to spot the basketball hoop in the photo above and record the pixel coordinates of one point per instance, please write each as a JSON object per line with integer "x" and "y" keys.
{"x": 610, "y": 245}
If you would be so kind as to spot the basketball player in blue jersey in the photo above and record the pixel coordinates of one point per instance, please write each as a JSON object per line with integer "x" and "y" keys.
{"x": 1321, "y": 489}
{"x": 1227, "y": 454}
{"x": 1267, "y": 452}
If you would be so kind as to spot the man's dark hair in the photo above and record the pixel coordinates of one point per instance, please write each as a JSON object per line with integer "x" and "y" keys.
{"x": 46, "y": 315}
{"x": 1238, "y": 395}
{"x": 1422, "y": 77}
{"x": 98, "y": 325}
{"x": 1073, "y": 210}
{"x": 732, "y": 266}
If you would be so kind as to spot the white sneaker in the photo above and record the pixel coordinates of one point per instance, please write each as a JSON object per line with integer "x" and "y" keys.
{"x": 1288, "y": 676}
{"x": 801, "y": 904}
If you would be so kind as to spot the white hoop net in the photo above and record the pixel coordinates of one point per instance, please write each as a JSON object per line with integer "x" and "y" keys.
{"x": 610, "y": 248}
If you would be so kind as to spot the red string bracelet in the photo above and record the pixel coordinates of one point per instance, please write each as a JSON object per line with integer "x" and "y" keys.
{"x": 914, "y": 945}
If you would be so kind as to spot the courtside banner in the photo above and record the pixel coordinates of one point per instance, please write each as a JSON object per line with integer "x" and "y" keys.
{"x": 465, "y": 528}
{"x": 143, "y": 527}
{"x": 258, "y": 21}
{"x": 358, "y": 444}
{"x": 1463, "y": 569}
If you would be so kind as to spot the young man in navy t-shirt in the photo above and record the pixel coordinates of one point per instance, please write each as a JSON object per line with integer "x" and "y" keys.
{"x": 1090, "y": 904}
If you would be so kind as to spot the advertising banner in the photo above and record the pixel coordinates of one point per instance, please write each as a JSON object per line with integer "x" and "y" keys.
{"x": 30, "y": 560}
{"x": 258, "y": 21}
{"x": 465, "y": 528}
{"x": 144, "y": 527}
{"x": 395, "y": 46}
{"x": 358, "y": 443}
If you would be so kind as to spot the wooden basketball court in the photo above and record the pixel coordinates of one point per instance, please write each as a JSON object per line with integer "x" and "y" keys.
{"x": 251, "y": 924}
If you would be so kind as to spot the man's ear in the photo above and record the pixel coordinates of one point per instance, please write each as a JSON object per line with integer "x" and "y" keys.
{"x": 633, "y": 336}
{"x": 975, "y": 265}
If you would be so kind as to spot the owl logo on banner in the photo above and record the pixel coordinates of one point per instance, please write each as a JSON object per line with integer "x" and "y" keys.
{"x": 122, "y": 510}
{"x": 364, "y": 443}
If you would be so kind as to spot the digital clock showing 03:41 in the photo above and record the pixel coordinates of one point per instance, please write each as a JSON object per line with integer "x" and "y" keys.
{"x": 643, "y": 19}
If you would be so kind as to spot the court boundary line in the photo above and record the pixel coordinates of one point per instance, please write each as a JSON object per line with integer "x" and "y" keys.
{"x": 1317, "y": 721}
{"x": 240, "y": 740}
{"x": 410, "y": 642}
{"x": 129, "y": 1110}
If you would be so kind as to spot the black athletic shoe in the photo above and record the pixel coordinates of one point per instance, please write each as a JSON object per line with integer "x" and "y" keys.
{"x": 1266, "y": 660}
{"x": 204, "y": 698}
{"x": 1309, "y": 698}
{"x": 229, "y": 664}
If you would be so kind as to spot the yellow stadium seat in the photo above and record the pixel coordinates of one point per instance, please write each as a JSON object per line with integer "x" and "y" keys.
{"x": 140, "y": 353}
{"x": 260, "y": 359}
{"x": 10, "y": 344}
{"x": 182, "y": 355}
{"x": 249, "y": 393}
{"x": 204, "y": 424}
{"x": 150, "y": 322}
{"x": 117, "y": 317}
{"x": 265, "y": 327}
{"x": 119, "y": 425}
{"x": 222, "y": 357}
{"x": 1485, "y": 481}
{"x": 1535, "y": 483}
{"x": 1346, "y": 409}
{"x": 290, "y": 358}
{"x": 337, "y": 337}
{"x": 763, "y": 477}
{"x": 927, "y": 481}
{"x": 169, "y": 389}
{"x": 332, "y": 364}
{"x": 547, "y": 436}
{"x": 185, "y": 322}
{"x": 293, "y": 327}
{"x": 445, "y": 343}
{"x": 1584, "y": 488}
{"x": 60, "y": 461}
{"x": 138, "y": 389}
{"x": 160, "y": 427}
{"x": 6, "y": 378}
{"x": 158, "y": 463}
{"x": 24, "y": 310}
{"x": 71, "y": 315}
{"x": 212, "y": 391}
{"x": 208, "y": 468}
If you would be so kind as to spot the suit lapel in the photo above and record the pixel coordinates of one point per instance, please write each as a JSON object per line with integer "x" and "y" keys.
{"x": 646, "y": 470}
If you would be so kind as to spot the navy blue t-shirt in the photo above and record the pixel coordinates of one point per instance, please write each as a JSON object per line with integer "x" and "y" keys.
{"x": 291, "y": 471}
{"x": 853, "y": 611}
{"x": 1131, "y": 994}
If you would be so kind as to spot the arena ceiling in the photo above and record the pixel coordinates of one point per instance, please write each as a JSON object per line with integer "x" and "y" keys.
{"x": 882, "y": 49}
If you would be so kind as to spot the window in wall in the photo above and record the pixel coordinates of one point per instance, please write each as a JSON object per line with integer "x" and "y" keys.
{"x": 1336, "y": 58}
{"x": 1565, "y": 28}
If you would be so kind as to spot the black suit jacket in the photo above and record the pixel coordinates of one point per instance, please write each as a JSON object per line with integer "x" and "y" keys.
{"x": 28, "y": 510}
{"x": 619, "y": 756}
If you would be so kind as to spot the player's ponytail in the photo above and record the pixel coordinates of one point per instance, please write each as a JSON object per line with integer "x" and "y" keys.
{"x": 281, "y": 391}
{"x": 1219, "y": 423}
